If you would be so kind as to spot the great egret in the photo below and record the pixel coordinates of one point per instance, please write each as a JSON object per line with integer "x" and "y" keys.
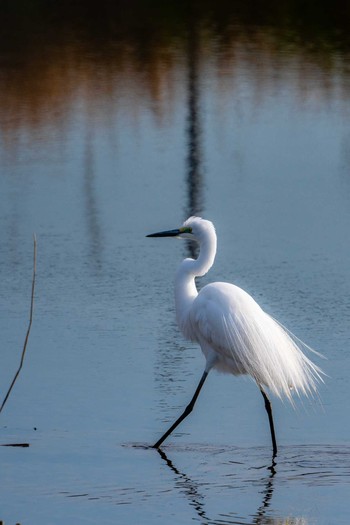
{"x": 236, "y": 336}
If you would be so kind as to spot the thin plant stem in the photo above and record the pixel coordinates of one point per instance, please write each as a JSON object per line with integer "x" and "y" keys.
{"x": 28, "y": 329}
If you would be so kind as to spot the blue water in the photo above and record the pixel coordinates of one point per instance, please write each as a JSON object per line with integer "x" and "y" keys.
{"x": 95, "y": 154}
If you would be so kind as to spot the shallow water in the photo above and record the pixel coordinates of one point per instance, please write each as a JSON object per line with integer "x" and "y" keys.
{"x": 109, "y": 132}
{"x": 77, "y": 481}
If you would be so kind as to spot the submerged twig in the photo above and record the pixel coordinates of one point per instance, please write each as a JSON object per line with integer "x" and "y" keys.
{"x": 28, "y": 329}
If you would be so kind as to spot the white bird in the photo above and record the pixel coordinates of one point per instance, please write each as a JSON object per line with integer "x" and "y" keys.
{"x": 236, "y": 336}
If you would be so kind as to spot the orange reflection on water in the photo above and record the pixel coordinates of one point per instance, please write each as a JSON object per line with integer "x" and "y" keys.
{"x": 41, "y": 87}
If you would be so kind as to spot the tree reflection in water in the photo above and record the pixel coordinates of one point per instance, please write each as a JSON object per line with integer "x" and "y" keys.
{"x": 51, "y": 57}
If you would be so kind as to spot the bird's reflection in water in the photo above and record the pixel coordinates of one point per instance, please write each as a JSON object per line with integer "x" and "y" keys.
{"x": 259, "y": 518}
{"x": 188, "y": 487}
{"x": 197, "y": 500}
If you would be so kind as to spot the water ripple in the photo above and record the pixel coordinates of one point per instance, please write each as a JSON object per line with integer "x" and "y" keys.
{"x": 214, "y": 480}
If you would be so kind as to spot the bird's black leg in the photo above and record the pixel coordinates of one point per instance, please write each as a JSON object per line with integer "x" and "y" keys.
{"x": 269, "y": 413}
{"x": 185, "y": 413}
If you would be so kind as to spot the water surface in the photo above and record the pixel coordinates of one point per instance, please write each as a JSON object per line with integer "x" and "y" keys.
{"x": 115, "y": 123}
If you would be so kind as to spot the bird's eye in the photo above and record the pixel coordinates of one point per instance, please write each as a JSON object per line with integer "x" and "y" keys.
{"x": 185, "y": 230}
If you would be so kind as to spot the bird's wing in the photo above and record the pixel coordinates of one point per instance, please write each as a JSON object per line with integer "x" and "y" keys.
{"x": 249, "y": 341}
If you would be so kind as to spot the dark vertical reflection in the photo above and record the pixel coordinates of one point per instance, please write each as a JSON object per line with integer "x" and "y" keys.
{"x": 197, "y": 500}
{"x": 194, "y": 165}
{"x": 194, "y": 168}
{"x": 188, "y": 487}
{"x": 93, "y": 227}
{"x": 259, "y": 518}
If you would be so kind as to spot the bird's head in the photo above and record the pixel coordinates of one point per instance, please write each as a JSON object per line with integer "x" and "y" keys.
{"x": 195, "y": 228}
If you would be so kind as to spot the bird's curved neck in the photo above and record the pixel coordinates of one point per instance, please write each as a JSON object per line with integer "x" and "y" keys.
{"x": 185, "y": 286}
{"x": 205, "y": 260}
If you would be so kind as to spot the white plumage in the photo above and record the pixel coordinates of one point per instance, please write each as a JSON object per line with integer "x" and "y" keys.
{"x": 246, "y": 340}
{"x": 234, "y": 333}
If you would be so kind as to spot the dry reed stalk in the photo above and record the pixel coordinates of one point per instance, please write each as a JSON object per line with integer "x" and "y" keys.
{"x": 28, "y": 329}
